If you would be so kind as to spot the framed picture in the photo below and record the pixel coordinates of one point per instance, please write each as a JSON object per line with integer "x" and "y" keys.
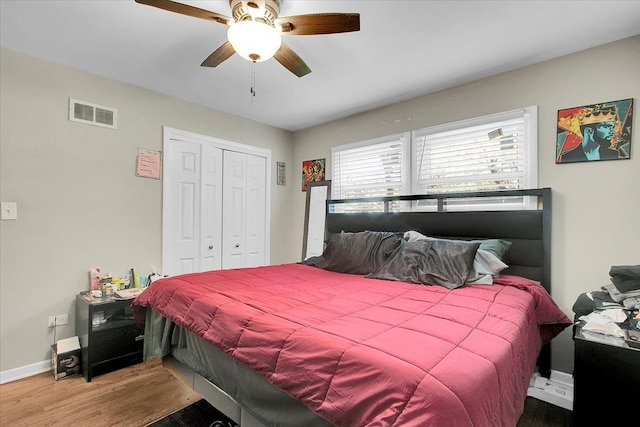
{"x": 312, "y": 171}
{"x": 281, "y": 173}
{"x": 595, "y": 132}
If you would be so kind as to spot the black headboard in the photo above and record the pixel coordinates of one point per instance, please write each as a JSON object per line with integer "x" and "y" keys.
{"x": 528, "y": 230}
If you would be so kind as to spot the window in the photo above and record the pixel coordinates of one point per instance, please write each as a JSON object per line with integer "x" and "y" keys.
{"x": 497, "y": 152}
{"x": 371, "y": 168}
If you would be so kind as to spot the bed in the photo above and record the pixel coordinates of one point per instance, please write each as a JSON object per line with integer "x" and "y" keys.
{"x": 320, "y": 343}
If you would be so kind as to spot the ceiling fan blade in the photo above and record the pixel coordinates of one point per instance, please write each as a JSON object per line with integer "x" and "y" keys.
{"x": 185, "y": 9}
{"x": 220, "y": 55}
{"x": 291, "y": 61}
{"x": 319, "y": 23}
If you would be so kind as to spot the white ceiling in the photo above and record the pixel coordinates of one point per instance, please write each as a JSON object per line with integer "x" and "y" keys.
{"x": 404, "y": 49}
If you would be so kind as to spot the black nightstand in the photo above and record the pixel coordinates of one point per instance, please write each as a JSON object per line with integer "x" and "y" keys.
{"x": 606, "y": 379}
{"x": 109, "y": 336}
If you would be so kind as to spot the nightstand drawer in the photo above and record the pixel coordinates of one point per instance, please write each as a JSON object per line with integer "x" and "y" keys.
{"x": 115, "y": 342}
{"x": 109, "y": 365}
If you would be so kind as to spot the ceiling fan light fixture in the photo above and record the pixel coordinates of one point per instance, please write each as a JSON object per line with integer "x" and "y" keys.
{"x": 254, "y": 41}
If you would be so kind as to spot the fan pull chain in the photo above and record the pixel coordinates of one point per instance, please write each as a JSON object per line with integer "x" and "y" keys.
{"x": 253, "y": 81}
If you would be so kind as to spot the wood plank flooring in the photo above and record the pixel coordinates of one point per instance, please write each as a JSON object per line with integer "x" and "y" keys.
{"x": 542, "y": 414}
{"x": 140, "y": 394}
{"x": 129, "y": 397}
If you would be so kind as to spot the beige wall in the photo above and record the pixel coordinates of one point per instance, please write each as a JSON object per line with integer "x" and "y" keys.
{"x": 79, "y": 201}
{"x": 596, "y": 206}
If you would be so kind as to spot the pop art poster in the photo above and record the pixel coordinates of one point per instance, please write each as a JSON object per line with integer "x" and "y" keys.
{"x": 595, "y": 132}
{"x": 312, "y": 171}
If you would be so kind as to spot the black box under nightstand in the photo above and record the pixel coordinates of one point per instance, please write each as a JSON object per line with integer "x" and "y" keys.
{"x": 110, "y": 338}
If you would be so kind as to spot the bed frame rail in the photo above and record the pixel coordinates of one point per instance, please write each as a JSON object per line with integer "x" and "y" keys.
{"x": 211, "y": 393}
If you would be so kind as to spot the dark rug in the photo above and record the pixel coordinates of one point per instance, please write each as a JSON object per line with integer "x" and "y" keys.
{"x": 198, "y": 414}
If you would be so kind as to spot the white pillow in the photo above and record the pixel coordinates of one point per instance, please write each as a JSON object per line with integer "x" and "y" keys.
{"x": 412, "y": 236}
{"x": 486, "y": 266}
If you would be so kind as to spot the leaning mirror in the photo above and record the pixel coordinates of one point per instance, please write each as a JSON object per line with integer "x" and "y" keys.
{"x": 314, "y": 218}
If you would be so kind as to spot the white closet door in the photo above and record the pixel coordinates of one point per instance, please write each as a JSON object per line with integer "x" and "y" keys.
{"x": 234, "y": 212}
{"x": 181, "y": 223}
{"x": 215, "y": 204}
{"x": 211, "y": 209}
{"x": 256, "y": 211}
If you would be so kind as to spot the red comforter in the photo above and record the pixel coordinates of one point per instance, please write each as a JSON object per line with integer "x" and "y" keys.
{"x": 368, "y": 352}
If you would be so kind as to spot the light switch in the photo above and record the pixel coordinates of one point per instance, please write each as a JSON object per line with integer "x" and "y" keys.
{"x": 9, "y": 210}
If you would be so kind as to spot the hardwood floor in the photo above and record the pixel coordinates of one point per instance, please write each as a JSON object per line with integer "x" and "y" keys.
{"x": 129, "y": 397}
{"x": 541, "y": 414}
{"x": 140, "y": 394}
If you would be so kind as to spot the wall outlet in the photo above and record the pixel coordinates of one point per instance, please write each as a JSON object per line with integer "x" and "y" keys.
{"x": 60, "y": 319}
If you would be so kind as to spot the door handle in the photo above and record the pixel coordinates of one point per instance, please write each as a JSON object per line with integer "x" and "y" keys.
{"x": 237, "y": 245}
{"x": 210, "y": 246}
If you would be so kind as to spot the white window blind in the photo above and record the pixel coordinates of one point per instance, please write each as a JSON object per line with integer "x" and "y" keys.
{"x": 471, "y": 159}
{"x": 371, "y": 168}
{"x": 490, "y": 153}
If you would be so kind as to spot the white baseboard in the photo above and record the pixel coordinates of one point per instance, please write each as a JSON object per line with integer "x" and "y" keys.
{"x": 24, "y": 371}
{"x": 557, "y": 390}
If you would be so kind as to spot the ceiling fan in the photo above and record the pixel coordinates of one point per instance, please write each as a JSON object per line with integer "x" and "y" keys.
{"x": 255, "y": 29}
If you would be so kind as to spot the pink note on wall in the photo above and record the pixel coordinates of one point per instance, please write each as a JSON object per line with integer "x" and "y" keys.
{"x": 148, "y": 163}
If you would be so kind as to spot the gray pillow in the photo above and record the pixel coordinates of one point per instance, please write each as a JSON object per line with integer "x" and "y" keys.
{"x": 431, "y": 262}
{"x": 356, "y": 253}
{"x": 498, "y": 247}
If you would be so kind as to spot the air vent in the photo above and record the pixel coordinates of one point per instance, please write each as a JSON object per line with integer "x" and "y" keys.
{"x": 92, "y": 114}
